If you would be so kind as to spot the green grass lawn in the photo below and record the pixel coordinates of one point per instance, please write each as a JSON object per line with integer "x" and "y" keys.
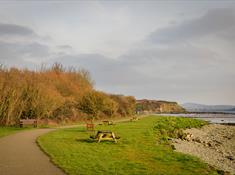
{"x": 139, "y": 151}
{"x": 4, "y": 131}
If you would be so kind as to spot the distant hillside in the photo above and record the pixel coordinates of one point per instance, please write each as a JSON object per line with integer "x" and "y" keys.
{"x": 194, "y": 107}
{"x": 154, "y": 106}
{"x": 233, "y": 109}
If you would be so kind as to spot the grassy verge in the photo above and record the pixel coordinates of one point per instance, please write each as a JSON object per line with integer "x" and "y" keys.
{"x": 137, "y": 152}
{"x": 172, "y": 127}
{"x": 4, "y": 131}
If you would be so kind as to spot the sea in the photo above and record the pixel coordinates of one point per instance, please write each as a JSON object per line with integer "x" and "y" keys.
{"x": 216, "y": 118}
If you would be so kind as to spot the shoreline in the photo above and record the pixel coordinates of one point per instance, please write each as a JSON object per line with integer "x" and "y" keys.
{"x": 226, "y": 119}
{"x": 213, "y": 143}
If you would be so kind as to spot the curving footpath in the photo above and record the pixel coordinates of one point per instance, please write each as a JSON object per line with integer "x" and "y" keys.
{"x": 20, "y": 155}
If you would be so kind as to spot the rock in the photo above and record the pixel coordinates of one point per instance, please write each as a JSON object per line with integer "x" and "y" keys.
{"x": 230, "y": 157}
{"x": 213, "y": 144}
{"x": 209, "y": 144}
{"x": 221, "y": 172}
{"x": 175, "y": 141}
{"x": 227, "y": 137}
{"x": 180, "y": 134}
{"x": 197, "y": 139}
{"x": 188, "y": 137}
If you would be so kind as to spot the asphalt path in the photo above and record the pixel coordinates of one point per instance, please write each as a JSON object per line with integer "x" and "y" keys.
{"x": 20, "y": 155}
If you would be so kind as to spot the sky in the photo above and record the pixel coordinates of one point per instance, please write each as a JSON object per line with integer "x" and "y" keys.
{"x": 165, "y": 50}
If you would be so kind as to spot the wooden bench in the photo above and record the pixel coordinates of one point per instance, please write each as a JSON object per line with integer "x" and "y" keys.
{"x": 25, "y": 122}
{"x": 134, "y": 119}
{"x": 107, "y": 122}
{"x": 105, "y": 135}
{"x": 90, "y": 126}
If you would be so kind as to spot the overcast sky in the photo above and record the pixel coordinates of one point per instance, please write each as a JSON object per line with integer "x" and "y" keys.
{"x": 170, "y": 50}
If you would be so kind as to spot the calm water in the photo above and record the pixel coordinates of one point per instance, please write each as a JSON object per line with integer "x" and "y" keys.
{"x": 212, "y": 118}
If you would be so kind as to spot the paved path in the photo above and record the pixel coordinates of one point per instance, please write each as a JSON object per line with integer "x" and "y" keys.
{"x": 20, "y": 155}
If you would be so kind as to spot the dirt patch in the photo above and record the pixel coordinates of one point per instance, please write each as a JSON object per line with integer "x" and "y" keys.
{"x": 215, "y": 144}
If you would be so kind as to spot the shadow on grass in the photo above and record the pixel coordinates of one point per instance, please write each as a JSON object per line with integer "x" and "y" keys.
{"x": 75, "y": 130}
{"x": 88, "y": 140}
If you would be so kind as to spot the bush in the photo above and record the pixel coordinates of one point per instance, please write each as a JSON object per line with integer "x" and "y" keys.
{"x": 126, "y": 104}
{"x": 97, "y": 103}
{"x": 172, "y": 127}
{"x": 41, "y": 94}
{"x": 55, "y": 93}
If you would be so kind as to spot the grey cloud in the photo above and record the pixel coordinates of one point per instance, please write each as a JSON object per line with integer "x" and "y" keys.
{"x": 18, "y": 53}
{"x": 177, "y": 70}
{"x": 20, "y": 44}
{"x": 105, "y": 71}
{"x": 13, "y": 29}
{"x": 64, "y": 47}
{"x": 35, "y": 50}
{"x": 216, "y": 21}
{"x": 154, "y": 73}
{"x": 172, "y": 55}
{"x": 167, "y": 73}
{"x": 7, "y": 51}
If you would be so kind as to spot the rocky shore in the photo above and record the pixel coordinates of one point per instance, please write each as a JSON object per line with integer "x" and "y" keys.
{"x": 214, "y": 144}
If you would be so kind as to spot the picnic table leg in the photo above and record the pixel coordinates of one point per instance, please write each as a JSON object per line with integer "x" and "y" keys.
{"x": 100, "y": 137}
{"x": 114, "y": 138}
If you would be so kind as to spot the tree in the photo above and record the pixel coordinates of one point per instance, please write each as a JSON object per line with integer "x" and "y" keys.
{"x": 95, "y": 103}
{"x": 126, "y": 104}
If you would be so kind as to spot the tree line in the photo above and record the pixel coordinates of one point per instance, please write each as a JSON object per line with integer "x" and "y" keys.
{"x": 56, "y": 93}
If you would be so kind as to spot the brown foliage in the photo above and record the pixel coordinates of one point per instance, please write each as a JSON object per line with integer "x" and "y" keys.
{"x": 31, "y": 94}
{"x": 126, "y": 105}
{"x": 55, "y": 93}
{"x": 97, "y": 104}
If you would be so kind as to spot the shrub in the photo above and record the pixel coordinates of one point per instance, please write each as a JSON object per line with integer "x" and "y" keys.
{"x": 126, "y": 104}
{"x": 97, "y": 103}
{"x": 47, "y": 93}
{"x": 56, "y": 93}
{"x": 172, "y": 127}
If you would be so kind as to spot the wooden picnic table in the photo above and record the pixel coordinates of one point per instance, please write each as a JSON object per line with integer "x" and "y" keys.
{"x": 107, "y": 122}
{"x": 105, "y": 135}
{"x": 134, "y": 118}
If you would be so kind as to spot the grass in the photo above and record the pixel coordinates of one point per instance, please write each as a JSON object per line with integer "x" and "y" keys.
{"x": 4, "y": 131}
{"x": 172, "y": 127}
{"x": 137, "y": 152}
